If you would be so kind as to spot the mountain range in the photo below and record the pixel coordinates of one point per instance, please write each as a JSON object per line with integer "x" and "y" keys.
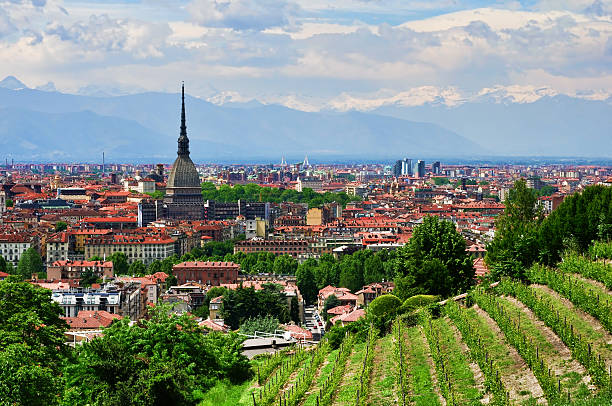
{"x": 46, "y": 125}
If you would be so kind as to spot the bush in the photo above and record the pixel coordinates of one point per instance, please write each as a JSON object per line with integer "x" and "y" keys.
{"x": 414, "y": 302}
{"x": 385, "y": 305}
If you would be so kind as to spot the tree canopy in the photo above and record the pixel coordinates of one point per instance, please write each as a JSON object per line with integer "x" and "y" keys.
{"x": 29, "y": 263}
{"x": 254, "y": 193}
{"x": 161, "y": 361}
{"x": 31, "y": 345}
{"x": 434, "y": 261}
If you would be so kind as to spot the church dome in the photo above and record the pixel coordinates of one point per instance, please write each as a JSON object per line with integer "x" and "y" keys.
{"x": 184, "y": 174}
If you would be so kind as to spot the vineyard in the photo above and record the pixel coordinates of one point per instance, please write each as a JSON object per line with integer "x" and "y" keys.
{"x": 547, "y": 342}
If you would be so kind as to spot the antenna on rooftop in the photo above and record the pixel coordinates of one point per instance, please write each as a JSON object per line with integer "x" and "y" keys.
{"x": 103, "y": 164}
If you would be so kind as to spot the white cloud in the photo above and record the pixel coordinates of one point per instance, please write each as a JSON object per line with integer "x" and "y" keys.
{"x": 243, "y": 14}
{"x": 306, "y": 53}
{"x": 105, "y": 34}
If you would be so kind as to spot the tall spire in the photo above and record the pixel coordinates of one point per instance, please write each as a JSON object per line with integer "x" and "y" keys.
{"x": 183, "y": 141}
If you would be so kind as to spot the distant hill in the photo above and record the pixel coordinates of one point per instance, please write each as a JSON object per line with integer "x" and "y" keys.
{"x": 551, "y": 126}
{"x": 47, "y": 125}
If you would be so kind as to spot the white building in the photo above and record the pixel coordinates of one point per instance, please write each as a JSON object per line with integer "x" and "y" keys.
{"x": 73, "y": 302}
{"x": 2, "y": 201}
{"x": 12, "y": 246}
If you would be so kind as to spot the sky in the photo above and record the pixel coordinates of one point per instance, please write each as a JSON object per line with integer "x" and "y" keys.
{"x": 309, "y": 54}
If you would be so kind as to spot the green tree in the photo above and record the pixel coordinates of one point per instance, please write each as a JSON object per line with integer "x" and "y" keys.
{"x": 243, "y": 303}
{"x": 60, "y": 226}
{"x": 434, "y": 261}
{"x": 330, "y": 302}
{"x": 260, "y": 324}
{"x": 294, "y": 310}
{"x": 373, "y": 270}
{"x": 582, "y": 218}
{"x": 24, "y": 380}
{"x": 120, "y": 264}
{"x": 29, "y": 263}
{"x": 439, "y": 181}
{"x": 9, "y": 203}
{"x": 137, "y": 268}
{"x": 3, "y": 265}
{"x": 285, "y": 265}
{"x": 384, "y": 306}
{"x": 305, "y": 281}
{"x": 515, "y": 246}
{"x": 351, "y": 273}
{"x": 32, "y": 348}
{"x": 161, "y": 361}
{"x": 88, "y": 277}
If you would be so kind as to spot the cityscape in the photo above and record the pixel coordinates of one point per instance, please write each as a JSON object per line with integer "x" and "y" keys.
{"x": 280, "y": 202}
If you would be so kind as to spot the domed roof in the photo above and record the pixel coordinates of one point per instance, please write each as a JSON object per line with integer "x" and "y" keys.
{"x": 184, "y": 174}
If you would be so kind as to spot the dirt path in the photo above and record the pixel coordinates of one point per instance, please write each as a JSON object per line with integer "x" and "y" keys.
{"x": 601, "y": 338}
{"x": 560, "y": 360}
{"x": 519, "y": 380}
{"x": 383, "y": 391}
{"x": 476, "y": 371}
{"x": 291, "y": 380}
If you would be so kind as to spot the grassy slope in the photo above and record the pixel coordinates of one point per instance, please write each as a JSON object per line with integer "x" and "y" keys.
{"x": 346, "y": 391}
{"x": 457, "y": 365}
{"x": 382, "y": 381}
{"x": 420, "y": 382}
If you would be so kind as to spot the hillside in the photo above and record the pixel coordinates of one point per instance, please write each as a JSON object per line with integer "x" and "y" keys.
{"x": 546, "y": 342}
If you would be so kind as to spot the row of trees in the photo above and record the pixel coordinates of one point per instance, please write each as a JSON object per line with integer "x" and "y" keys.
{"x": 254, "y": 193}
{"x": 524, "y": 236}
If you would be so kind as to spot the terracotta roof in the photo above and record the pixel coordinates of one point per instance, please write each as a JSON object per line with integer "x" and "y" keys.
{"x": 87, "y": 319}
{"x": 297, "y": 332}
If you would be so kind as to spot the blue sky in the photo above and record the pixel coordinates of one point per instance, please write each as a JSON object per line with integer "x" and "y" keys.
{"x": 313, "y": 54}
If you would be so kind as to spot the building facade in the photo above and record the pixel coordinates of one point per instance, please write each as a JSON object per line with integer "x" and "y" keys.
{"x": 68, "y": 269}
{"x": 210, "y": 273}
{"x": 136, "y": 247}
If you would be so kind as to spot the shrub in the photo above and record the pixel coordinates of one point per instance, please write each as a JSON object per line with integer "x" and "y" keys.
{"x": 385, "y": 305}
{"x": 414, "y": 302}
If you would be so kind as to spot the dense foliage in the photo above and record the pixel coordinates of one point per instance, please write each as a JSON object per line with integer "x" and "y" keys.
{"x": 515, "y": 245}
{"x": 161, "y": 361}
{"x": 254, "y": 193}
{"x": 164, "y": 360}
{"x": 384, "y": 305}
{"x": 259, "y": 324}
{"x": 29, "y": 263}
{"x": 31, "y": 345}
{"x": 523, "y": 236}
{"x": 582, "y": 218}
{"x": 243, "y": 304}
{"x": 433, "y": 262}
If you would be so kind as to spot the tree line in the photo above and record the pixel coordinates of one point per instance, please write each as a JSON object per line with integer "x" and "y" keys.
{"x": 252, "y": 192}
{"x": 525, "y": 236}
